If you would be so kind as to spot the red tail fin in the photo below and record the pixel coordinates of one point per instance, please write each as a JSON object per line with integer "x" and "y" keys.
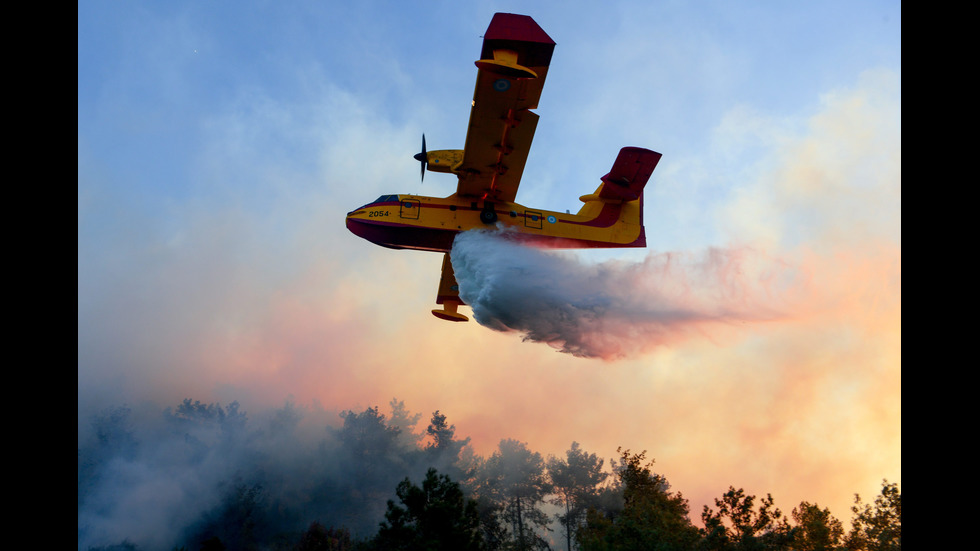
{"x": 629, "y": 174}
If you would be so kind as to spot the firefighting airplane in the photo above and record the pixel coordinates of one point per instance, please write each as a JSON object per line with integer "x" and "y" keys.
{"x": 511, "y": 72}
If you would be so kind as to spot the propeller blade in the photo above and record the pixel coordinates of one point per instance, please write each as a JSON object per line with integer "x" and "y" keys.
{"x": 422, "y": 158}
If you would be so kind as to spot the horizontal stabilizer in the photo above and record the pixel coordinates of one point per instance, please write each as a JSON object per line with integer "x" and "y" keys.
{"x": 629, "y": 174}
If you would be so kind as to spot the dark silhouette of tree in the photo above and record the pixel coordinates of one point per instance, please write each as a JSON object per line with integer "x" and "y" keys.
{"x": 367, "y": 436}
{"x": 442, "y": 451}
{"x": 575, "y": 481}
{"x": 878, "y": 527}
{"x": 434, "y": 517}
{"x": 205, "y": 426}
{"x": 212, "y": 544}
{"x": 269, "y": 482}
{"x": 318, "y": 538}
{"x": 240, "y": 521}
{"x": 514, "y": 484}
{"x": 114, "y": 439}
{"x": 362, "y": 470}
{"x": 371, "y": 451}
{"x": 124, "y": 545}
{"x": 738, "y": 526}
{"x": 114, "y": 432}
{"x": 190, "y": 413}
{"x": 404, "y": 421}
{"x": 443, "y": 438}
{"x": 652, "y": 517}
{"x": 816, "y": 529}
{"x": 285, "y": 420}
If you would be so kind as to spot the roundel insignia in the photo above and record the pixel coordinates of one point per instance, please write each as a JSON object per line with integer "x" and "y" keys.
{"x": 501, "y": 85}
{"x": 552, "y": 219}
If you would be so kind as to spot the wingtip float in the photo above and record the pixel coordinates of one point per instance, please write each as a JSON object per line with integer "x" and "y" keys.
{"x": 511, "y": 72}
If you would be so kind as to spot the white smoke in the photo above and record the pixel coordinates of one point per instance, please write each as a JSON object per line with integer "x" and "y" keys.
{"x": 614, "y": 309}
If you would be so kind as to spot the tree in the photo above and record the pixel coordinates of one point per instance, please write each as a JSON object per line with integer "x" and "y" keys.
{"x": 443, "y": 450}
{"x": 652, "y": 516}
{"x": 318, "y": 538}
{"x": 195, "y": 413}
{"x": 285, "y": 420}
{"x": 404, "y": 421}
{"x": 877, "y": 528}
{"x": 124, "y": 545}
{"x": 114, "y": 432}
{"x": 372, "y": 450}
{"x": 434, "y": 517}
{"x": 816, "y": 529}
{"x": 114, "y": 439}
{"x": 513, "y": 481}
{"x": 574, "y": 481}
{"x": 738, "y": 526}
{"x": 212, "y": 544}
{"x": 443, "y": 436}
{"x": 372, "y": 460}
{"x": 203, "y": 426}
{"x": 367, "y": 434}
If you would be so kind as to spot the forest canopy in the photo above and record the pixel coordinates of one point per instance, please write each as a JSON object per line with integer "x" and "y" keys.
{"x": 206, "y": 476}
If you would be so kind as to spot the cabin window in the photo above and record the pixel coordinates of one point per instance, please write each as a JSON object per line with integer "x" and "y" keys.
{"x": 532, "y": 219}
{"x": 410, "y": 209}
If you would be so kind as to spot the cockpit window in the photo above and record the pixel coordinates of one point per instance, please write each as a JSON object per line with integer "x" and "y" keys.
{"x": 382, "y": 199}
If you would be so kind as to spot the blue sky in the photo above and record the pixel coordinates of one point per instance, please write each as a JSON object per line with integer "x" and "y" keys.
{"x": 221, "y": 143}
{"x": 156, "y": 78}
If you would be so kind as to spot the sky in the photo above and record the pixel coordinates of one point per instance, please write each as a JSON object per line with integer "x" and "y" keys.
{"x": 220, "y": 145}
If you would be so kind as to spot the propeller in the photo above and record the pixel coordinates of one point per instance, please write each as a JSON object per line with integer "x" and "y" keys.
{"x": 422, "y": 158}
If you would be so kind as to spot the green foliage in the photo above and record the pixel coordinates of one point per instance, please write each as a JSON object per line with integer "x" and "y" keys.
{"x": 124, "y": 545}
{"x": 404, "y": 421}
{"x": 190, "y": 413}
{"x": 213, "y": 544}
{"x": 239, "y": 522}
{"x": 816, "y": 529}
{"x": 264, "y": 486}
{"x": 878, "y": 527}
{"x": 737, "y": 526}
{"x": 114, "y": 431}
{"x": 373, "y": 455}
{"x": 114, "y": 439}
{"x": 514, "y": 481}
{"x": 443, "y": 435}
{"x": 575, "y": 481}
{"x": 653, "y": 518}
{"x": 366, "y": 435}
{"x": 434, "y": 517}
{"x": 318, "y": 538}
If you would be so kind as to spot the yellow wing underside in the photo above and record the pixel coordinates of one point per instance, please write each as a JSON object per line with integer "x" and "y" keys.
{"x": 508, "y": 85}
{"x": 511, "y": 72}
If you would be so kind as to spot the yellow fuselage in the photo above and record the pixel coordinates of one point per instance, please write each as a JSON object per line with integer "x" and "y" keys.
{"x": 431, "y": 224}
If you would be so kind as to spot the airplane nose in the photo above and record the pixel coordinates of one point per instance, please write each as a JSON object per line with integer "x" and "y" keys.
{"x": 356, "y": 227}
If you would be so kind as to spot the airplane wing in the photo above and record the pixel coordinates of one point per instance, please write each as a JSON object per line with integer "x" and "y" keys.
{"x": 512, "y": 69}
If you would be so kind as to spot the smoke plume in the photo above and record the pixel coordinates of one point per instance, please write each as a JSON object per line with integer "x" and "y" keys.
{"x": 615, "y": 309}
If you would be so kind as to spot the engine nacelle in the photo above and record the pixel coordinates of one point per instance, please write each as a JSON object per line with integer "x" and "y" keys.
{"x": 444, "y": 160}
